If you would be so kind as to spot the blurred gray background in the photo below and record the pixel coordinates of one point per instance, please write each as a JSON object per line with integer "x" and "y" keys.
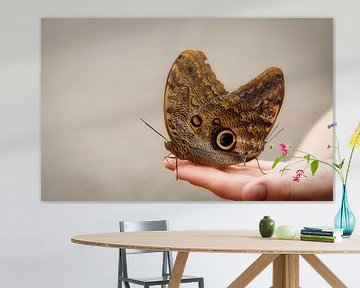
{"x": 100, "y": 75}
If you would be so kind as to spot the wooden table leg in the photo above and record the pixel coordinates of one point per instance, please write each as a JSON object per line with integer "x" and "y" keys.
{"x": 286, "y": 271}
{"x": 324, "y": 271}
{"x": 253, "y": 270}
{"x": 178, "y": 270}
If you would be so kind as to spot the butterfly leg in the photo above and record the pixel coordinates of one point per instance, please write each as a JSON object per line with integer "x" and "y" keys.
{"x": 260, "y": 166}
{"x": 176, "y": 168}
{"x": 176, "y": 164}
{"x": 170, "y": 156}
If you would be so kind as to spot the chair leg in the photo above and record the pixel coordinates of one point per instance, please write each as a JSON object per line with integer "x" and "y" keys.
{"x": 201, "y": 283}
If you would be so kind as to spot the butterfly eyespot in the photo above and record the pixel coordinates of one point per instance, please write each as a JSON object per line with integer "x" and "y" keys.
{"x": 196, "y": 121}
{"x": 268, "y": 85}
{"x": 216, "y": 121}
{"x": 180, "y": 57}
{"x": 225, "y": 140}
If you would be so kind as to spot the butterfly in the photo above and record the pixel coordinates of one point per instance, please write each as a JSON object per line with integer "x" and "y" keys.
{"x": 210, "y": 126}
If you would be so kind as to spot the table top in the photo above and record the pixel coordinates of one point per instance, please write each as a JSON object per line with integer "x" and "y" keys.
{"x": 220, "y": 241}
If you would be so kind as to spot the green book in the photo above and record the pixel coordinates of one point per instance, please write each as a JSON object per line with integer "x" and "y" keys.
{"x": 319, "y": 236}
{"x": 325, "y": 240}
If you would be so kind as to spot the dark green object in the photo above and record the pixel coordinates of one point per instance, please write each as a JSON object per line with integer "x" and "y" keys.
{"x": 266, "y": 226}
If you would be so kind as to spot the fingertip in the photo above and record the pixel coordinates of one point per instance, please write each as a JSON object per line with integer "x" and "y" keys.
{"x": 169, "y": 164}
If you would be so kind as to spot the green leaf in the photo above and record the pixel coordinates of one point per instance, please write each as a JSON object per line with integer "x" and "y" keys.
{"x": 339, "y": 166}
{"x": 307, "y": 157}
{"x": 276, "y": 161}
{"x": 314, "y": 166}
{"x": 342, "y": 163}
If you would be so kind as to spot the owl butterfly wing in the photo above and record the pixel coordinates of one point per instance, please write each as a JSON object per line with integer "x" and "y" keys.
{"x": 190, "y": 84}
{"x": 263, "y": 98}
{"x": 233, "y": 127}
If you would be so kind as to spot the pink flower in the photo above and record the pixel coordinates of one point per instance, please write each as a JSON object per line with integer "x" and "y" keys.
{"x": 284, "y": 149}
{"x": 300, "y": 172}
{"x": 298, "y": 175}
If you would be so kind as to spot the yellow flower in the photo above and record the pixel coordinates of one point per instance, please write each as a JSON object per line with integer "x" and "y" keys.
{"x": 355, "y": 138}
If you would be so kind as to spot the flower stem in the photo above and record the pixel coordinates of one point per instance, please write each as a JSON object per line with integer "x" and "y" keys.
{"x": 293, "y": 163}
{"x": 323, "y": 162}
{"x": 351, "y": 155}
{"x": 338, "y": 149}
{"x": 348, "y": 167}
{"x": 339, "y": 158}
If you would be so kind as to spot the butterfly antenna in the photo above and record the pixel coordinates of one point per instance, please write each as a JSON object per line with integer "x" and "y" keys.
{"x": 281, "y": 130}
{"x": 147, "y": 124}
{"x": 273, "y": 130}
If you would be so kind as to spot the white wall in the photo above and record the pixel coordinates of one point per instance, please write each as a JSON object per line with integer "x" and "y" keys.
{"x": 35, "y": 248}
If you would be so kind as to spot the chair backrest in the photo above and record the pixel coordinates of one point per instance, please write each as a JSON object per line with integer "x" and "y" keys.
{"x": 134, "y": 226}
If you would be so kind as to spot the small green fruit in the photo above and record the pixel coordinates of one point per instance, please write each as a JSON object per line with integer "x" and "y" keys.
{"x": 285, "y": 232}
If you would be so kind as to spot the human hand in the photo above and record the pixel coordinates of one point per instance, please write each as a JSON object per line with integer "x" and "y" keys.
{"x": 237, "y": 182}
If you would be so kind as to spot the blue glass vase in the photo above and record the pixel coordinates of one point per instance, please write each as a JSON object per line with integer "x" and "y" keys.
{"x": 345, "y": 219}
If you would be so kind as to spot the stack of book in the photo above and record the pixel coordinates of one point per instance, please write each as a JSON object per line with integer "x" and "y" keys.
{"x": 321, "y": 234}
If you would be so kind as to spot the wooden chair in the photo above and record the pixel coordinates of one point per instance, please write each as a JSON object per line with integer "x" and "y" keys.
{"x": 167, "y": 262}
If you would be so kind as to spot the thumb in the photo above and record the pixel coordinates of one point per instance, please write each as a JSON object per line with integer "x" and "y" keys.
{"x": 255, "y": 192}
